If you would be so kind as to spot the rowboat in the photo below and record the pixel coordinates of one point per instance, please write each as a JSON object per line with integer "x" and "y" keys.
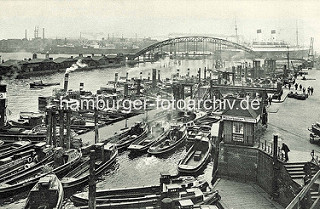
{"x": 197, "y": 155}
{"x": 136, "y": 132}
{"x": 62, "y": 163}
{"x": 79, "y": 175}
{"x": 142, "y": 144}
{"x": 175, "y": 136}
{"x": 47, "y": 193}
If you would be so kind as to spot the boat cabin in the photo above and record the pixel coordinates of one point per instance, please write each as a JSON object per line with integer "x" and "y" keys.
{"x": 186, "y": 204}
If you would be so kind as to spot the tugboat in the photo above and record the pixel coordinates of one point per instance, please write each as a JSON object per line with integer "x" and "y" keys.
{"x": 47, "y": 193}
{"x": 79, "y": 175}
{"x": 175, "y": 136}
{"x": 142, "y": 144}
{"x": 196, "y": 156}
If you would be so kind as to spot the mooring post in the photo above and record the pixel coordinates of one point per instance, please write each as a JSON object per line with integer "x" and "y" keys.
{"x": 61, "y": 127}
{"x": 49, "y": 125}
{"x": 54, "y": 126}
{"x": 275, "y": 186}
{"x": 96, "y": 128}
{"x": 92, "y": 181}
{"x": 68, "y": 124}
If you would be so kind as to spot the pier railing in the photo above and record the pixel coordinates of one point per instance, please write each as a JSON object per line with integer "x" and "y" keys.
{"x": 299, "y": 201}
{"x": 267, "y": 147}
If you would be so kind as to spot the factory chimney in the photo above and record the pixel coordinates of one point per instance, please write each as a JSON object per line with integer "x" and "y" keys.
{"x": 259, "y": 34}
{"x": 66, "y": 81}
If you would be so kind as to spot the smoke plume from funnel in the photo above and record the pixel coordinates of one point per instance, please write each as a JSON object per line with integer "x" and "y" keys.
{"x": 75, "y": 66}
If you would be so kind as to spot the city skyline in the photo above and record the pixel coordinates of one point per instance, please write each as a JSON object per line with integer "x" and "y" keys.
{"x": 158, "y": 19}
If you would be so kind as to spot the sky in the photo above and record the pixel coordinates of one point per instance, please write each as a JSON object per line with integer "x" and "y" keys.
{"x": 158, "y": 19}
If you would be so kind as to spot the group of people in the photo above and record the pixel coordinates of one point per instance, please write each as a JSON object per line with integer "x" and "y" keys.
{"x": 301, "y": 88}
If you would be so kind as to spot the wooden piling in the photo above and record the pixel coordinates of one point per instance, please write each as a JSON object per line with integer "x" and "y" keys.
{"x": 54, "y": 126}
{"x": 92, "y": 181}
{"x": 61, "y": 127}
{"x": 96, "y": 128}
{"x": 68, "y": 124}
{"x": 49, "y": 125}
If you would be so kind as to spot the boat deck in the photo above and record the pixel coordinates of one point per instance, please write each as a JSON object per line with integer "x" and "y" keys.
{"x": 239, "y": 195}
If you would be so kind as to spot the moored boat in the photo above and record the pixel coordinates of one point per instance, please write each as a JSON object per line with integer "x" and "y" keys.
{"x": 197, "y": 155}
{"x": 139, "y": 196}
{"x": 170, "y": 141}
{"x": 79, "y": 175}
{"x": 47, "y": 193}
{"x": 136, "y": 132}
{"x": 15, "y": 147}
{"x": 39, "y": 84}
{"x": 144, "y": 143}
{"x": 62, "y": 163}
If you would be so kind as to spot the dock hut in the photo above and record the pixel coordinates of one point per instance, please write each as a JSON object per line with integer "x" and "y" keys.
{"x": 239, "y": 123}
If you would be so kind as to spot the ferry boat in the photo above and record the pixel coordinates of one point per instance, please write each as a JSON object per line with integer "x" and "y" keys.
{"x": 176, "y": 135}
{"x": 40, "y": 84}
{"x": 47, "y": 193}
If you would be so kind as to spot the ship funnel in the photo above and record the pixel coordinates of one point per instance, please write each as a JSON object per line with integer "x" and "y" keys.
{"x": 66, "y": 81}
{"x": 273, "y": 35}
{"x": 259, "y": 34}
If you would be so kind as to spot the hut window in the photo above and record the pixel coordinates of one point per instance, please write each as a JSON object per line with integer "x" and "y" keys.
{"x": 237, "y": 128}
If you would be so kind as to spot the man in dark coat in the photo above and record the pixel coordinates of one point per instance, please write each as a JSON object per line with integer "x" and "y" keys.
{"x": 296, "y": 86}
{"x": 286, "y": 149}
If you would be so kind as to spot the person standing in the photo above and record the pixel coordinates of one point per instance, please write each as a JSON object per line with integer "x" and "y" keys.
{"x": 289, "y": 86}
{"x": 286, "y": 150}
{"x": 311, "y": 90}
{"x": 304, "y": 90}
{"x": 296, "y": 86}
{"x": 300, "y": 87}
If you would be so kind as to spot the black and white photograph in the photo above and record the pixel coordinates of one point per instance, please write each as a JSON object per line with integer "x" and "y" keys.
{"x": 159, "y": 104}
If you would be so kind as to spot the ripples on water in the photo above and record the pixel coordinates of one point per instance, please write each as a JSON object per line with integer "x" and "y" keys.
{"x": 128, "y": 170}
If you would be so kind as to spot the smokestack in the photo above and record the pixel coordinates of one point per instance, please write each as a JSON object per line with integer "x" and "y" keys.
{"x": 159, "y": 79}
{"x": 188, "y": 72}
{"x": 126, "y": 90}
{"x": 273, "y": 35}
{"x": 154, "y": 78}
{"x": 116, "y": 75}
{"x": 42, "y": 33}
{"x": 3, "y": 105}
{"x": 259, "y": 33}
{"x": 66, "y": 81}
{"x": 81, "y": 86}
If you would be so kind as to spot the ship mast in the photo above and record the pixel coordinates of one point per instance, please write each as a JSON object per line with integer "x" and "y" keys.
{"x": 236, "y": 28}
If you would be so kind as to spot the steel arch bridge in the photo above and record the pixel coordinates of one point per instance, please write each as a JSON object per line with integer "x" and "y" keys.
{"x": 217, "y": 41}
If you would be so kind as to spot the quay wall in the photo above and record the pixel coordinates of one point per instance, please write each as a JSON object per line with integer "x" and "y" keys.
{"x": 252, "y": 164}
